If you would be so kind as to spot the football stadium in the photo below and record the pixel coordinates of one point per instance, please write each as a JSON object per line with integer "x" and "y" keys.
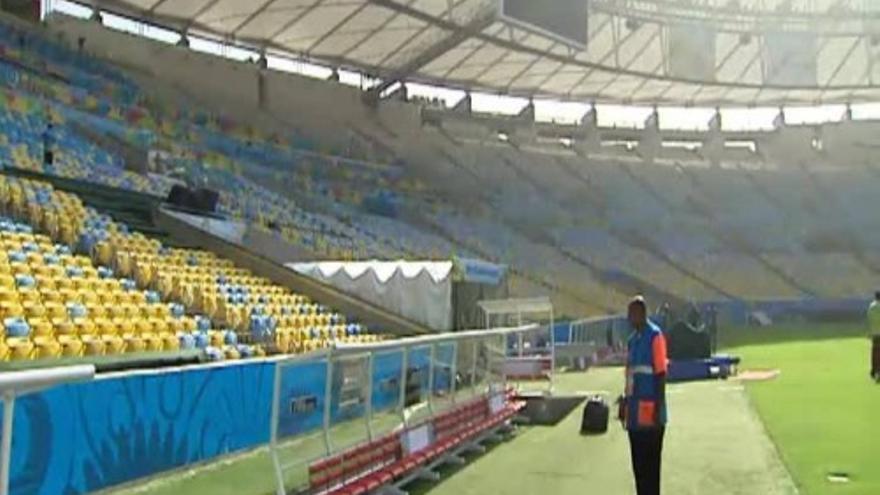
{"x": 470, "y": 247}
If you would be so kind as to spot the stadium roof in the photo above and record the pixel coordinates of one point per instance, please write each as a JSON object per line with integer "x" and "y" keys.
{"x": 724, "y": 52}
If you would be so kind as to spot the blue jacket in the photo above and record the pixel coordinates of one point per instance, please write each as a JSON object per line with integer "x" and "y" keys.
{"x": 646, "y": 358}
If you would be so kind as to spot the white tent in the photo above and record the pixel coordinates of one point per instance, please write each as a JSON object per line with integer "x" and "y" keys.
{"x": 420, "y": 291}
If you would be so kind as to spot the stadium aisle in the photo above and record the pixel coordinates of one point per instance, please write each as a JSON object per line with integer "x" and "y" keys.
{"x": 715, "y": 444}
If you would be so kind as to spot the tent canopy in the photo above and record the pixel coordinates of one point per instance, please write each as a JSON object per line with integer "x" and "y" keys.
{"x": 418, "y": 290}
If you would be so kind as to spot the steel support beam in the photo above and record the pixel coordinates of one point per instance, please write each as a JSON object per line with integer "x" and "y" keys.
{"x": 457, "y": 35}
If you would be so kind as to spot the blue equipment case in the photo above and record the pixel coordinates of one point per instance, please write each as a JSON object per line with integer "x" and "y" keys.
{"x": 716, "y": 367}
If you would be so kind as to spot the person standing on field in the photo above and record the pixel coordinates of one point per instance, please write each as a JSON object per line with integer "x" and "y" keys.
{"x": 643, "y": 407}
{"x": 874, "y": 332}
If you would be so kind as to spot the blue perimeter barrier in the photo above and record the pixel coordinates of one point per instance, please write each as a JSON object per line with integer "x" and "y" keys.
{"x": 84, "y": 437}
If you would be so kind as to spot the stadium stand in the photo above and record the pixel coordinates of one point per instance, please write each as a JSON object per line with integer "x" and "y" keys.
{"x": 134, "y": 294}
{"x": 672, "y": 229}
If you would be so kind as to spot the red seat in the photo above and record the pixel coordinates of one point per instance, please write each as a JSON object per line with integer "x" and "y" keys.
{"x": 398, "y": 469}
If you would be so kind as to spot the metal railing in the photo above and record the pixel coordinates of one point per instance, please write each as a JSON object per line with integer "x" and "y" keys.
{"x": 330, "y": 401}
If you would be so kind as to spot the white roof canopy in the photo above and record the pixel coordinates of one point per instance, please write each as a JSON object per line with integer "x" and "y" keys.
{"x": 750, "y": 52}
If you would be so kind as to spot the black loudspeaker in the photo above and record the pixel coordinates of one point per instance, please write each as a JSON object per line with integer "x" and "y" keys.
{"x": 203, "y": 200}
{"x": 179, "y": 196}
{"x": 687, "y": 342}
{"x": 206, "y": 200}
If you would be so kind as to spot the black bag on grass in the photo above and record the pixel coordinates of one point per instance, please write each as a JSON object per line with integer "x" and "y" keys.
{"x": 595, "y": 419}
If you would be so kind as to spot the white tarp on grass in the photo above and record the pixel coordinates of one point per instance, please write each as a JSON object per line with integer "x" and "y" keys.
{"x": 420, "y": 291}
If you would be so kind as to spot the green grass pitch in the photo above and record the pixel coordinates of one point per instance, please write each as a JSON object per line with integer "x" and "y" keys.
{"x": 823, "y": 412}
{"x": 779, "y": 437}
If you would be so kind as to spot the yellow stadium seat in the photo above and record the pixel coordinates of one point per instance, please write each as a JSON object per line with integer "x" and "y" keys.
{"x": 51, "y": 296}
{"x": 282, "y": 340}
{"x": 134, "y": 343}
{"x": 131, "y": 311}
{"x": 96, "y": 310}
{"x": 29, "y": 295}
{"x": 215, "y": 338}
{"x": 68, "y": 294}
{"x": 88, "y": 296}
{"x": 116, "y": 311}
{"x": 137, "y": 297}
{"x": 159, "y": 325}
{"x": 110, "y": 285}
{"x": 4, "y": 350}
{"x": 189, "y": 323}
{"x": 105, "y": 326}
{"x": 34, "y": 309}
{"x": 153, "y": 310}
{"x": 19, "y": 268}
{"x": 93, "y": 345}
{"x": 108, "y": 297}
{"x": 8, "y": 294}
{"x": 124, "y": 326}
{"x": 41, "y": 327}
{"x": 46, "y": 347}
{"x": 10, "y": 308}
{"x": 63, "y": 326}
{"x": 142, "y": 326}
{"x": 170, "y": 342}
{"x": 84, "y": 326}
{"x": 103, "y": 253}
{"x": 45, "y": 282}
{"x": 113, "y": 344}
{"x": 20, "y": 348}
{"x": 71, "y": 346}
{"x": 153, "y": 342}
{"x": 230, "y": 352}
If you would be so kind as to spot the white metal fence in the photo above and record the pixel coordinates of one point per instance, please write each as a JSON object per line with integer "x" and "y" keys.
{"x": 328, "y": 402}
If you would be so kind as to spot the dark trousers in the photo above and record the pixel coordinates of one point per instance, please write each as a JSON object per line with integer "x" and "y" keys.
{"x": 646, "y": 448}
{"x": 875, "y": 356}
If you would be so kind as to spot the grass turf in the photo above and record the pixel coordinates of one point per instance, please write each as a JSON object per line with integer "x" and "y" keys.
{"x": 823, "y": 412}
{"x": 714, "y": 444}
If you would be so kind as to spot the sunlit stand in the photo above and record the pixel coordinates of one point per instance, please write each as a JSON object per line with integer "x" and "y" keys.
{"x": 14, "y": 384}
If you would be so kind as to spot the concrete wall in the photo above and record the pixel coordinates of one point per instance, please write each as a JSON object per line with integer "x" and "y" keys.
{"x": 282, "y": 101}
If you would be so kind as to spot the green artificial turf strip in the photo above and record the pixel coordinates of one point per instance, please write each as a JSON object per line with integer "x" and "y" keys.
{"x": 715, "y": 444}
{"x": 823, "y": 412}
